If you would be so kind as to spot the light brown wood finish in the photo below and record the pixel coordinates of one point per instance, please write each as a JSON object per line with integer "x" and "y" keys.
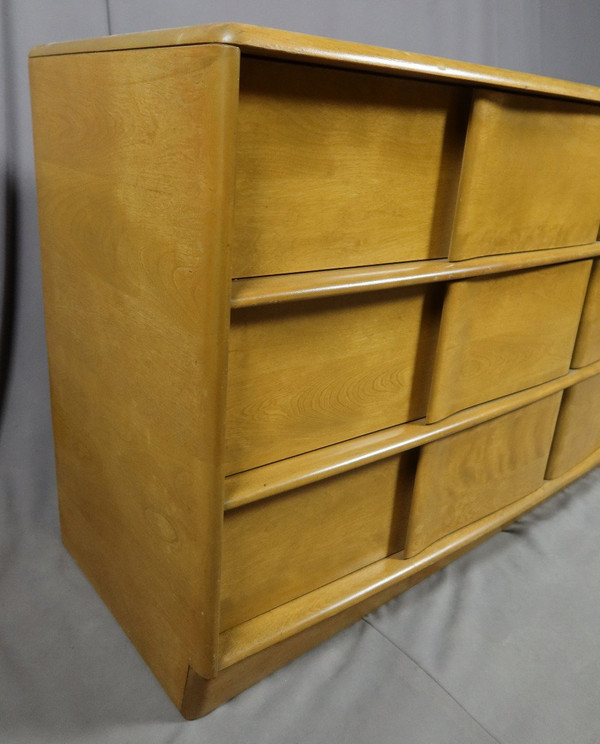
{"x": 277, "y": 550}
{"x": 502, "y": 334}
{"x": 334, "y": 599}
{"x": 464, "y": 477}
{"x": 587, "y": 346}
{"x": 313, "y": 284}
{"x": 578, "y": 428}
{"x": 134, "y": 161}
{"x": 316, "y": 49}
{"x": 345, "y": 166}
{"x": 316, "y": 151}
{"x": 202, "y": 696}
{"x": 530, "y": 177}
{"x": 302, "y": 377}
{"x": 310, "y": 467}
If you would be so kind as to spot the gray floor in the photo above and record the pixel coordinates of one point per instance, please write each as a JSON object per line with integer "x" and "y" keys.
{"x": 501, "y": 646}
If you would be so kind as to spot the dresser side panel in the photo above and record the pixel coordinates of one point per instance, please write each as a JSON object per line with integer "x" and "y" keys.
{"x": 134, "y": 159}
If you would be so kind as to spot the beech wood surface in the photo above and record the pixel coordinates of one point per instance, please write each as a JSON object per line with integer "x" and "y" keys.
{"x": 505, "y": 333}
{"x": 464, "y": 477}
{"x": 279, "y": 549}
{"x": 305, "y": 376}
{"x": 135, "y": 177}
{"x": 587, "y": 346}
{"x": 530, "y": 176}
{"x": 316, "y": 49}
{"x": 310, "y": 467}
{"x": 578, "y": 427}
{"x": 312, "y": 284}
{"x": 339, "y": 596}
{"x": 201, "y": 696}
{"x": 338, "y": 168}
{"x": 236, "y": 468}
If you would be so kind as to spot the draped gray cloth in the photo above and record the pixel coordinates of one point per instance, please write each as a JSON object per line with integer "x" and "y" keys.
{"x": 501, "y": 646}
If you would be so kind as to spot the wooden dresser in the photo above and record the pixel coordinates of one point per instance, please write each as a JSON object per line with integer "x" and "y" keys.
{"x": 321, "y": 317}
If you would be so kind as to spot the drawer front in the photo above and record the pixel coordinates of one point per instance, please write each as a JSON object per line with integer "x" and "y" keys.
{"x": 530, "y": 176}
{"x": 279, "y": 548}
{"x": 506, "y": 333}
{"x": 339, "y": 168}
{"x": 578, "y": 428}
{"x": 472, "y": 474}
{"x": 587, "y": 347}
{"x": 306, "y": 374}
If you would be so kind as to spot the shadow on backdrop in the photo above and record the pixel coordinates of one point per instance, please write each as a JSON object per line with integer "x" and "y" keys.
{"x": 10, "y": 231}
{"x": 8, "y": 289}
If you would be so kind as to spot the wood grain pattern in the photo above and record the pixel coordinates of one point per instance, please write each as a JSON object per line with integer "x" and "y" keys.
{"x": 134, "y": 154}
{"x": 578, "y": 427}
{"x": 302, "y": 377}
{"x": 338, "y": 168}
{"x": 248, "y": 640}
{"x": 308, "y": 285}
{"x": 467, "y": 476}
{"x": 502, "y": 334}
{"x": 277, "y": 550}
{"x": 311, "y": 467}
{"x": 202, "y": 696}
{"x": 343, "y": 162}
{"x": 587, "y": 346}
{"x": 276, "y": 43}
{"x": 530, "y": 177}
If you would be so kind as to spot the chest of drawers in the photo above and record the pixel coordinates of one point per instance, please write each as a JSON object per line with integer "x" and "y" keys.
{"x": 320, "y": 318}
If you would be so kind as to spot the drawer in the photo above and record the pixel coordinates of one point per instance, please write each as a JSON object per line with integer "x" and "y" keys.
{"x": 530, "y": 177}
{"x": 587, "y": 346}
{"x": 282, "y": 547}
{"x": 578, "y": 427}
{"x": 472, "y": 474}
{"x": 338, "y": 168}
{"x": 502, "y": 334}
{"x": 306, "y": 374}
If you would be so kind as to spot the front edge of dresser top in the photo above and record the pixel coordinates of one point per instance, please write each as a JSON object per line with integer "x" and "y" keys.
{"x": 307, "y": 48}
{"x": 135, "y": 146}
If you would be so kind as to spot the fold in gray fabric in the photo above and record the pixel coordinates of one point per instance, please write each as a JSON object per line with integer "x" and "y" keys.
{"x": 68, "y": 674}
{"x": 511, "y": 630}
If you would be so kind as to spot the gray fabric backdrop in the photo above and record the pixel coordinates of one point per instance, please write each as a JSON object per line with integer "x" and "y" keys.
{"x": 501, "y": 646}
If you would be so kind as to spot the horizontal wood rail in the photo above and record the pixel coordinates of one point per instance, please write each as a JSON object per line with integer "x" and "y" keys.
{"x": 269, "y": 480}
{"x": 263, "y": 290}
{"x": 378, "y": 578}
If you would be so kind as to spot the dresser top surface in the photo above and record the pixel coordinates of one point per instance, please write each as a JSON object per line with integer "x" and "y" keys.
{"x": 319, "y": 50}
